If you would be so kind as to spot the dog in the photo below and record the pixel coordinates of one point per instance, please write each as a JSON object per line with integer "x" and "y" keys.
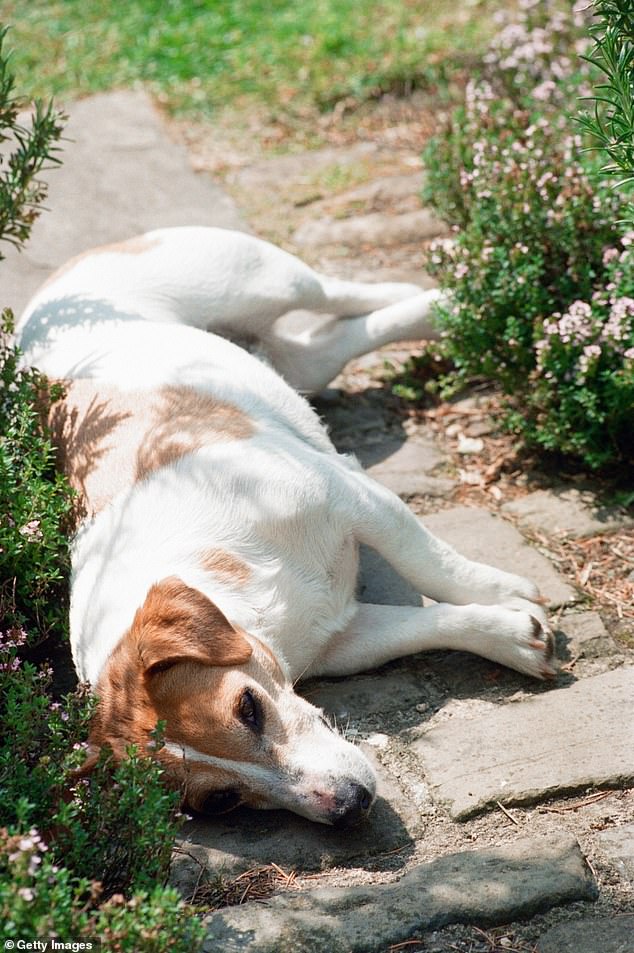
{"x": 216, "y": 561}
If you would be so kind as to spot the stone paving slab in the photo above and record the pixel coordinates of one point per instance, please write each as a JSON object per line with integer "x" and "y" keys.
{"x": 275, "y": 172}
{"x": 590, "y": 935}
{"x": 361, "y": 695}
{"x": 587, "y": 637}
{"x": 569, "y": 513}
{"x": 406, "y": 467}
{"x": 482, "y": 536}
{"x": 380, "y": 585}
{"x": 121, "y": 174}
{"x": 494, "y": 885}
{"x": 584, "y": 629}
{"x": 388, "y": 191}
{"x": 618, "y": 845}
{"x": 375, "y": 228}
{"x": 554, "y": 743}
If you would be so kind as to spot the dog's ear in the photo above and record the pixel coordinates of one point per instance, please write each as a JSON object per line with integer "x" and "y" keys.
{"x": 177, "y": 623}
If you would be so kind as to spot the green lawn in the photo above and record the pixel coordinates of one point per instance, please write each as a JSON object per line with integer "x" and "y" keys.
{"x": 202, "y": 55}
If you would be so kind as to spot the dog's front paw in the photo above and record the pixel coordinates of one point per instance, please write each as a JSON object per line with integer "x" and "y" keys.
{"x": 524, "y": 642}
{"x": 543, "y": 647}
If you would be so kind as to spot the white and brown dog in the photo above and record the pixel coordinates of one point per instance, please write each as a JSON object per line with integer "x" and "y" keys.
{"x": 217, "y": 562}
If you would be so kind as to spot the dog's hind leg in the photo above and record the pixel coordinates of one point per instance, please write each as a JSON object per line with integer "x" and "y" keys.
{"x": 310, "y": 360}
{"x": 378, "y": 634}
{"x": 352, "y": 298}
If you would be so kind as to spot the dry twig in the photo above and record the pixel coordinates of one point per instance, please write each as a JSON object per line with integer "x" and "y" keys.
{"x": 258, "y": 883}
{"x": 599, "y": 796}
{"x": 508, "y": 814}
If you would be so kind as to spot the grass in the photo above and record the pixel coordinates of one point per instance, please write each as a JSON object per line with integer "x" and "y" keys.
{"x": 200, "y": 56}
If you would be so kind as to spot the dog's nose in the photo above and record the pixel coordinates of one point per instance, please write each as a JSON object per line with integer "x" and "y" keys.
{"x": 353, "y": 801}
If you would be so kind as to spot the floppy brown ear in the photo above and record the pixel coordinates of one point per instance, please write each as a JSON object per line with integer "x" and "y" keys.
{"x": 177, "y": 623}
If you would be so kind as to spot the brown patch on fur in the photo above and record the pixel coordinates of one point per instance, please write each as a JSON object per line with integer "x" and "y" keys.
{"x": 188, "y": 420}
{"x": 225, "y": 565}
{"x": 131, "y": 246}
{"x": 109, "y": 439}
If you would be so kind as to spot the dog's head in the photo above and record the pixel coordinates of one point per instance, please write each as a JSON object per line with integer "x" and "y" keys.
{"x": 236, "y": 732}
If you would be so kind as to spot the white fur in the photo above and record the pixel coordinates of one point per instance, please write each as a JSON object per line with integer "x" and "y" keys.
{"x": 282, "y": 501}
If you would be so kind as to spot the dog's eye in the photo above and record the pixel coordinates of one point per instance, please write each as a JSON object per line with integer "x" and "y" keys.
{"x": 250, "y": 710}
{"x": 219, "y": 802}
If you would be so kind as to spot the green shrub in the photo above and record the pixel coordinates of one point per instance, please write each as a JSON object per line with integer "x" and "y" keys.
{"x": 582, "y": 394}
{"x": 37, "y": 898}
{"x": 40, "y": 899}
{"x": 84, "y": 840}
{"x": 40, "y": 738}
{"x": 35, "y": 503}
{"x": 534, "y": 245}
{"x": 120, "y": 821}
{"x": 69, "y": 848}
{"x": 21, "y": 192}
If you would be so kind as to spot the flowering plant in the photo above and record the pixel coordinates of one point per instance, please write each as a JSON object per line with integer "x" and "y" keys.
{"x": 39, "y": 898}
{"x": 534, "y": 269}
{"x": 35, "y": 502}
{"x": 582, "y": 396}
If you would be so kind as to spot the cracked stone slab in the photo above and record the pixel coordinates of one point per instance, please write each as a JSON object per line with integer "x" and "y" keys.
{"x": 556, "y": 742}
{"x": 496, "y": 885}
{"x": 247, "y": 838}
{"x": 487, "y": 538}
{"x": 121, "y": 174}
{"x": 618, "y": 845}
{"x": 590, "y": 935}
{"x": 587, "y": 636}
{"x": 375, "y": 228}
{"x": 571, "y": 513}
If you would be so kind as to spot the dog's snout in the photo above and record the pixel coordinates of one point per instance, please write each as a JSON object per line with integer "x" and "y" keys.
{"x": 353, "y": 802}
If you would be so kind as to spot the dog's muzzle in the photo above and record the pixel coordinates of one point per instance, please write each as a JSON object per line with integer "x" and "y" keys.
{"x": 352, "y": 803}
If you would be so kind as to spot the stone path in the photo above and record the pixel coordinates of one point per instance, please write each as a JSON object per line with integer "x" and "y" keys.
{"x": 544, "y": 773}
{"x": 526, "y": 751}
{"x": 369, "y": 920}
